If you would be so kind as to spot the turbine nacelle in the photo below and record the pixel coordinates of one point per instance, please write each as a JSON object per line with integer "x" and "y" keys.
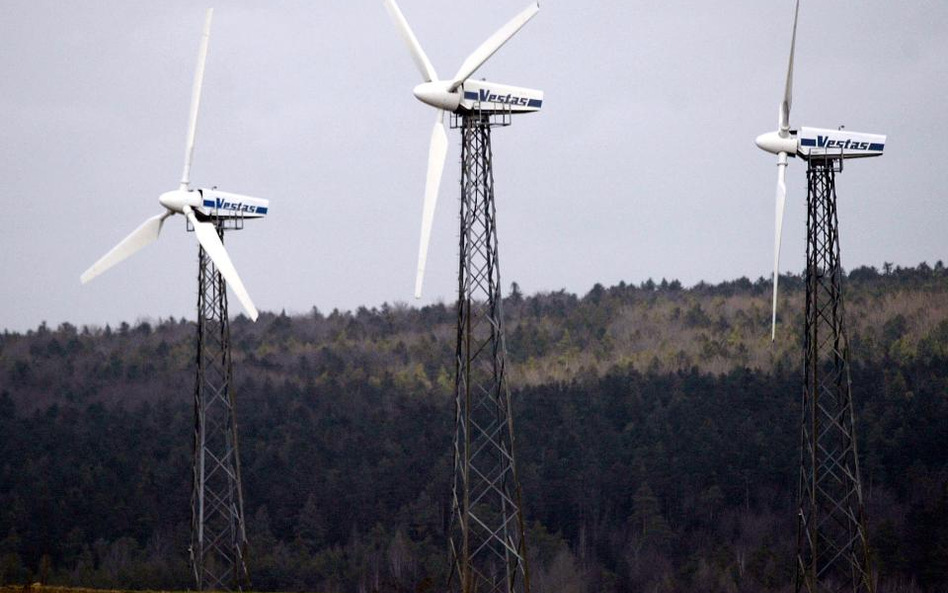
{"x": 439, "y": 95}
{"x": 821, "y": 142}
{"x": 838, "y": 144}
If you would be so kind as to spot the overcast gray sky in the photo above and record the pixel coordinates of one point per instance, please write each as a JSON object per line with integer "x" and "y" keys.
{"x": 641, "y": 163}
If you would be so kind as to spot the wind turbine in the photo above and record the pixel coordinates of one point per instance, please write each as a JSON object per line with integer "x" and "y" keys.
{"x": 218, "y": 536}
{"x": 832, "y": 543}
{"x": 488, "y": 548}
{"x": 200, "y": 206}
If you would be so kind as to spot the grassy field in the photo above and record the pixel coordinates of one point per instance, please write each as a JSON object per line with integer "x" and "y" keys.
{"x": 39, "y": 588}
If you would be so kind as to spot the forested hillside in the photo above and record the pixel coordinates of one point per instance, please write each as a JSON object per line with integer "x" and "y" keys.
{"x": 656, "y": 439}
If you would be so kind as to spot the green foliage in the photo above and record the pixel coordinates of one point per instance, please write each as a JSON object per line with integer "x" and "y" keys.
{"x": 647, "y": 520}
{"x": 656, "y": 441}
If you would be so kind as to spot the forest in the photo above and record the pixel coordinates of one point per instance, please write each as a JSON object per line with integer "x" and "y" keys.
{"x": 657, "y": 440}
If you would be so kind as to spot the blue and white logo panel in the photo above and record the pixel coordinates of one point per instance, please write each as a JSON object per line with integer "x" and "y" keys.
{"x": 817, "y": 142}
{"x": 489, "y": 96}
{"x": 219, "y": 203}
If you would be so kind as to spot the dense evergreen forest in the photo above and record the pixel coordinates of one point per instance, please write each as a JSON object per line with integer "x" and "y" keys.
{"x": 657, "y": 440}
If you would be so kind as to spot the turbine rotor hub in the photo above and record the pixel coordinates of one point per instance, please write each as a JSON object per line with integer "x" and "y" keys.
{"x": 774, "y": 143}
{"x": 176, "y": 200}
{"x": 437, "y": 95}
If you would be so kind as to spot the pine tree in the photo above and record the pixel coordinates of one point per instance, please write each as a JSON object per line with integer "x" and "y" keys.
{"x": 310, "y": 526}
{"x": 647, "y": 518}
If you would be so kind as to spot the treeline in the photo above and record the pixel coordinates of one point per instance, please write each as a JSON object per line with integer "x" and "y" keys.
{"x": 647, "y": 463}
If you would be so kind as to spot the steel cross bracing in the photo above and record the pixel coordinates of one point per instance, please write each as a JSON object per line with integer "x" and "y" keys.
{"x": 832, "y": 549}
{"x": 218, "y": 538}
{"x": 487, "y": 536}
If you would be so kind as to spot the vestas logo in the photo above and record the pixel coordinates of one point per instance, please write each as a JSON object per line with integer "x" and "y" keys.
{"x": 486, "y": 96}
{"x": 847, "y": 144}
{"x": 219, "y": 204}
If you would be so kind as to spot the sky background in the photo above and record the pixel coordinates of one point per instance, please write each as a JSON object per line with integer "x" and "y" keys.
{"x": 641, "y": 163}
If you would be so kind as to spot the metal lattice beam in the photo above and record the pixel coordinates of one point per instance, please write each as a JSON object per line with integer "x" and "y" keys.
{"x": 218, "y": 538}
{"x": 487, "y": 536}
{"x": 832, "y": 548}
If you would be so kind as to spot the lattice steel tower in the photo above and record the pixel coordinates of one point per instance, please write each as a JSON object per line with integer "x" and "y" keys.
{"x": 218, "y": 538}
{"x": 487, "y": 536}
{"x": 832, "y": 548}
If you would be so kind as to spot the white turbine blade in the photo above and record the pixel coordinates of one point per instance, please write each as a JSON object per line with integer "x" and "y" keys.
{"x": 146, "y": 234}
{"x": 196, "y": 99}
{"x": 417, "y": 53}
{"x": 207, "y": 236}
{"x": 784, "y": 123}
{"x": 437, "y": 153}
{"x": 493, "y": 43}
{"x": 778, "y": 231}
